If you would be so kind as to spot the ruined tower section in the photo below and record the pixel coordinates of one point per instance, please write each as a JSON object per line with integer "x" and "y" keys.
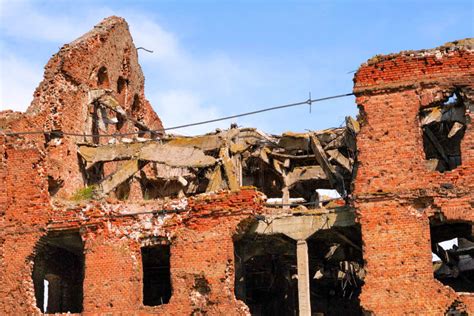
{"x": 92, "y": 86}
{"x": 415, "y": 180}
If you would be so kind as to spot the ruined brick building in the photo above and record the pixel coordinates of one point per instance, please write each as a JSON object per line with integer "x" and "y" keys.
{"x": 104, "y": 213}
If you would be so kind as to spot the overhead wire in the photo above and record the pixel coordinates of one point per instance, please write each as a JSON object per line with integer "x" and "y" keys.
{"x": 145, "y": 49}
{"x": 309, "y": 102}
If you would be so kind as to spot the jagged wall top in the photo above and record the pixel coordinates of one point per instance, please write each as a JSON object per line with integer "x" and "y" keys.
{"x": 61, "y": 99}
{"x": 104, "y": 58}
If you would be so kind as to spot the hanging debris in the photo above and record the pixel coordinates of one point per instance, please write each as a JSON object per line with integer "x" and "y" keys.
{"x": 443, "y": 129}
{"x": 291, "y": 165}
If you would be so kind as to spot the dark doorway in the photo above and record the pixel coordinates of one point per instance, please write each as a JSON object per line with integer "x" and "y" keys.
{"x": 336, "y": 271}
{"x": 156, "y": 275}
{"x": 58, "y": 273}
{"x": 266, "y": 274}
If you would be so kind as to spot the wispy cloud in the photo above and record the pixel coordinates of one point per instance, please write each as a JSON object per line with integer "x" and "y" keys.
{"x": 21, "y": 19}
{"x": 153, "y": 36}
{"x": 183, "y": 107}
{"x": 18, "y": 79}
{"x": 21, "y": 22}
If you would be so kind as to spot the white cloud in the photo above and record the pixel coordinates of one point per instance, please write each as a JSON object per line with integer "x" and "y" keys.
{"x": 183, "y": 107}
{"x": 170, "y": 59}
{"x": 191, "y": 82}
{"x": 152, "y": 36}
{"x": 21, "y": 20}
{"x": 18, "y": 80}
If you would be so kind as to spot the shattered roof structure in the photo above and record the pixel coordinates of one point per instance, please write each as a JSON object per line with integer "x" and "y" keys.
{"x": 103, "y": 212}
{"x": 228, "y": 160}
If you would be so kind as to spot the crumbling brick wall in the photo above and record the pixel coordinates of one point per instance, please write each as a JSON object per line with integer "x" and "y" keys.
{"x": 394, "y": 192}
{"x": 200, "y": 235}
{"x": 201, "y": 254}
{"x": 61, "y": 103}
{"x": 104, "y": 58}
{"x": 24, "y": 209}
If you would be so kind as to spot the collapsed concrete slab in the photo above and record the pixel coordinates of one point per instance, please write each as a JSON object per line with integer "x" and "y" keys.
{"x": 231, "y": 159}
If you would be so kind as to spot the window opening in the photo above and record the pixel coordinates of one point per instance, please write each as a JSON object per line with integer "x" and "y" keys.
{"x": 452, "y": 247}
{"x": 58, "y": 273}
{"x": 156, "y": 275}
{"x": 103, "y": 78}
{"x": 443, "y": 128}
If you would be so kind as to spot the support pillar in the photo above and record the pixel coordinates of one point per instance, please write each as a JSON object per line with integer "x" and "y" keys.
{"x": 303, "y": 278}
{"x": 285, "y": 198}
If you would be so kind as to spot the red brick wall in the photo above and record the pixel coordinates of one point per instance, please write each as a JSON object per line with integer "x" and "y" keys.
{"x": 113, "y": 276}
{"x": 397, "y": 252}
{"x": 392, "y": 177}
{"x": 201, "y": 247}
{"x": 209, "y": 253}
{"x": 25, "y": 210}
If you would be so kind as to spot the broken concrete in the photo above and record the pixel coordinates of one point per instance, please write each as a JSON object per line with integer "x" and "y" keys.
{"x": 227, "y": 160}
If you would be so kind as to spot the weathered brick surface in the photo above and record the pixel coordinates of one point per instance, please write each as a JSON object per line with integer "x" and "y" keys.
{"x": 24, "y": 213}
{"x": 392, "y": 177}
{"x": 201, "y": 246}
{"x": 397, "y": 251}
{"x": 113, "y": 276}
{"x": 62, "y": 99}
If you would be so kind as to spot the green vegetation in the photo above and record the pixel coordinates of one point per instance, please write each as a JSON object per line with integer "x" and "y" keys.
{"x": 86, "y": 193}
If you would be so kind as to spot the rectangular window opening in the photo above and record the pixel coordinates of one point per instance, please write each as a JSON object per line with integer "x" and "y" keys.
{"x": 156, "y": 275}
{"x": 444, "y": 125}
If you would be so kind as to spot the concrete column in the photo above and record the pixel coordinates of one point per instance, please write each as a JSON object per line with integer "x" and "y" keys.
{"x": 303, "y": 278}
{"x": 286, "y": 197}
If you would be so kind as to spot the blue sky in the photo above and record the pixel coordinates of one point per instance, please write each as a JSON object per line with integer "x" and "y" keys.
{"x": 218, "y": 58}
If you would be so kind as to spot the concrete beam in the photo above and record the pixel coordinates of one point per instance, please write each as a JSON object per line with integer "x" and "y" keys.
{"x": 215, "y": 182}
{"x": 170, "y": 155}
{"x": 128, "y": 169}
{"x": 229, "y": 169}
{"x": 337, "y": 181}
{"x": 302, "y": 227}
{"x": 305, "y": 173}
